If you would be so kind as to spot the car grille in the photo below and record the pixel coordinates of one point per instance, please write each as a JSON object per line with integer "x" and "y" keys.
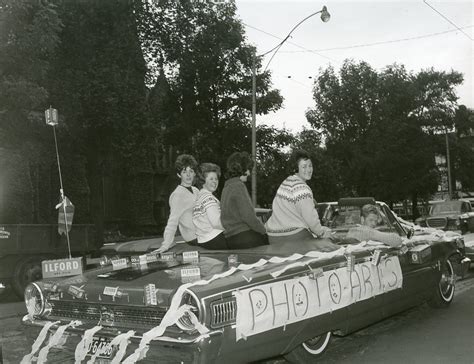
{"x": 223, "y": 312}
{"x": 436, "y": 222}
{"x": 122, "y": 316}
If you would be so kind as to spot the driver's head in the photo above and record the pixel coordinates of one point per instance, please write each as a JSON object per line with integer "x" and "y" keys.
{"x": 370, "y": 216}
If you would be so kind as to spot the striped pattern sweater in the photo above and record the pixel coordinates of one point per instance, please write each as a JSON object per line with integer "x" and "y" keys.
{"x": 207, "y": 216}
{"x": 293, "y": 210}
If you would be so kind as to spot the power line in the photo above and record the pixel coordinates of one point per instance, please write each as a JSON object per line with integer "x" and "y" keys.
{"x": 383, "y": 42}
{"x": 450, "y": 22}
{"x": 296, "y": 45}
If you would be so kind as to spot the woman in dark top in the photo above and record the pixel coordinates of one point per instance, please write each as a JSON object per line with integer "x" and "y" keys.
{"x": 242, "y": 227}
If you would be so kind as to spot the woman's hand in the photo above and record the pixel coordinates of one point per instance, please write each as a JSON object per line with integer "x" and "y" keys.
{"x": 326, "y": 245}
{"x": 164, "y": 247}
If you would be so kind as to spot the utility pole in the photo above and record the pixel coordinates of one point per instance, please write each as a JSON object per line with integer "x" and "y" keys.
{"x": 448, "y": 163}
{"x": 325, "y": 16}
{"x": 254, "y": 131}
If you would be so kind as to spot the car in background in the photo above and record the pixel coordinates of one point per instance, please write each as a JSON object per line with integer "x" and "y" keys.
{"x": 200, "y": 306}
{"x": 450, "y": 215}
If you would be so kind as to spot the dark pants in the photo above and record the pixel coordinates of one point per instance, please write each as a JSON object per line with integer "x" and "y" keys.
{"x": 247, "y": 239}
{"x": 217, "y": 243}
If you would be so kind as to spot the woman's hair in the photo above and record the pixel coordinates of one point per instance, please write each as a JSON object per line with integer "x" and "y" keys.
{"x": 296, "y": 156}
{"x": 368, "y": 209}
{"x": 238, "y": 163}
{"x": 204, "y": 169}
{"x": 184, "y": 161}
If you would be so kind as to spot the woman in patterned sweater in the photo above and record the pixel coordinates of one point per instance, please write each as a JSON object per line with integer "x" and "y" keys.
{"x": 207, "y": 209}
{"x": 294, "y": 217}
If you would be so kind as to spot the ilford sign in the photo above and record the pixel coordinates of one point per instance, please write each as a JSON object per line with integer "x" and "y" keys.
{"x": 266, "y": 307}
{"x": 61, "y": 267}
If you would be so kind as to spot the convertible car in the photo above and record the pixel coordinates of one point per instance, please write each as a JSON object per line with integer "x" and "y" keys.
{"x": 194, "y": 306}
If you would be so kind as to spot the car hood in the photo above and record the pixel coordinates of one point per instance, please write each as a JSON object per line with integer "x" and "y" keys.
{"x": 128, "y": 284}
{"x": 448, "y": 215}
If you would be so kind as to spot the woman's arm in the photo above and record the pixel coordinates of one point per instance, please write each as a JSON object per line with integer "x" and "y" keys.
{"x": 305, "y": 206}
{"x": 242, "y": 201}
{"x": 214, "y": 215}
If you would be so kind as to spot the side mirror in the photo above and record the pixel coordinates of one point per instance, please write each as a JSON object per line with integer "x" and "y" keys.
{"x": 410, "y": 233}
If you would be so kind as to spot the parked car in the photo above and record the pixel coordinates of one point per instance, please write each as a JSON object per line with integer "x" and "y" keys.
{"x": 25, "y": 246}
{"x": 198, "y": 306}
{"x": 450, "y": 215}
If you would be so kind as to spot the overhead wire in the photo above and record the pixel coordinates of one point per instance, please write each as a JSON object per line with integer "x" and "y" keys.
{"x": 383, "y": 42}
{"x": 289, "y": 42}
{"x": 448, "y": 20}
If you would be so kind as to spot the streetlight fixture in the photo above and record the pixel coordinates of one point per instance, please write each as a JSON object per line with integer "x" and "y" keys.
{"x": 325, "y": 16}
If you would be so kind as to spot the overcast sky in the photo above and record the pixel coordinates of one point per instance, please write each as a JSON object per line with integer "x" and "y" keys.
{"x": 437, "y": 43}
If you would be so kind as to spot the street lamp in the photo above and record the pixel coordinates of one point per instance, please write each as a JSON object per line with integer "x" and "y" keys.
{"x": 325, "y": 16}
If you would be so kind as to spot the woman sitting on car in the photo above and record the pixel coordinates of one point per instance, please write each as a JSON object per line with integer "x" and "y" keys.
{"x": 294, "y": 216}
{"x": 366, "y": 231}
{"x": 242, "y": 227}
{"x": 181, "y": 203}
{"x": 207, "y": 209}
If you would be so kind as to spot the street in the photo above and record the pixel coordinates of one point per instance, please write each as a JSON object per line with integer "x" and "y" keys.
{"x": 419, "y": 335}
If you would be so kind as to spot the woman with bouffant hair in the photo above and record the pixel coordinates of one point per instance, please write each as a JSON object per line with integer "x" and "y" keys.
{"x": 207, "y": 210}
{"x": 181, "y": 203}
{"x": 242, "y": 227}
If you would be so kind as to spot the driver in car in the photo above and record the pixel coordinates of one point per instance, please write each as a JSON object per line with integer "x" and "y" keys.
{"x": 367, "y": 230}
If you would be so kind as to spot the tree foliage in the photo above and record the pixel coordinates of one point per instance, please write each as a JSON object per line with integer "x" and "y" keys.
{"x": 378, "y": 126}
{"x": 203, "y": 63}
{"x": 29, "y": 38}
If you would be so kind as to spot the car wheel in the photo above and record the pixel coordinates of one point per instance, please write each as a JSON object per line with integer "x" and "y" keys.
{"x": 307, "y": 351}
{"x": 444, "y": 293}
{"x": 27, "y": 270}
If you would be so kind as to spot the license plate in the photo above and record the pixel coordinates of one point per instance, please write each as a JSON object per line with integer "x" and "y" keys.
{"x": 99, "y": 343}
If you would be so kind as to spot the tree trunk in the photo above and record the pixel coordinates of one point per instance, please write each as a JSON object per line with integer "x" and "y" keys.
{"x": 94, "y": 179}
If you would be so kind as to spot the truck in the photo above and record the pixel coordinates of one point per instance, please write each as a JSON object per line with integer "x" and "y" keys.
{"x": 24, "y": 246}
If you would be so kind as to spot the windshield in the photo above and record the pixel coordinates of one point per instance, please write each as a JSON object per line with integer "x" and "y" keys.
{"x": 449, "y": 207}
{"x": 346, "y": 217}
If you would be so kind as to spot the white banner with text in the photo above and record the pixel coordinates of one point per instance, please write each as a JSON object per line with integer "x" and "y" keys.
{"x": 268, "y": 306}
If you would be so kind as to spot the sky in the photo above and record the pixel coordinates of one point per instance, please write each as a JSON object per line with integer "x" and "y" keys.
{"x": 350, "y": 33}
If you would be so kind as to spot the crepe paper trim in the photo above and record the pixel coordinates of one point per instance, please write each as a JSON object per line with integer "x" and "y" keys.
{"x": 175, "y": 312}
{"x": 27, "y": 359}
{"x": 169, "y": 319}
{"x": 54, "y": 340}
{"x": 30, "y": 306}
{"x": 83, "y": 346}
{"x": 122, "y": 341}
{"x": 199, "y": 327}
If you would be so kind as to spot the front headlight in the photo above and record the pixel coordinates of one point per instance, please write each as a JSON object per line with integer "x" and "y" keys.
{"x": 185, "y": 322}
{"x": 34, "y": 300}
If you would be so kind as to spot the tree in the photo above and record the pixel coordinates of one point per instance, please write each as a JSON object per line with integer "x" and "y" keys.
{"x": 463, "y": 147}
{"x": 98, "y": 83}
{"x": 199, "y": 52}
{"x": 29, "y": 38}
{"x": 378, "y": 126}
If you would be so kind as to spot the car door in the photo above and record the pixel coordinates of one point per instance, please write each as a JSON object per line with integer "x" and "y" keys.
{"x": 467, "y": 208}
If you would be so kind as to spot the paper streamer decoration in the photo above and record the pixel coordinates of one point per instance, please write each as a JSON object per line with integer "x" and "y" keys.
{"x": 121, "y": 341}
{"x": 83, "y": 346}
{"x": 175, "y": 312}
{"x": 55, "y": 340}
{"x": 28, "y": 358}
